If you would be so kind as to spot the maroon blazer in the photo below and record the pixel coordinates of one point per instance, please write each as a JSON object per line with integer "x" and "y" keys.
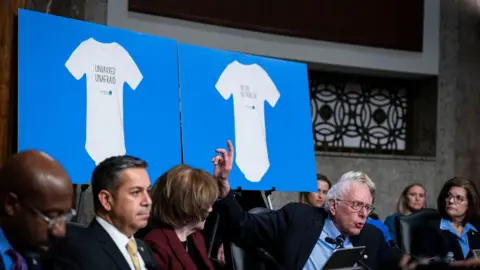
{"x": 170, "y": 253}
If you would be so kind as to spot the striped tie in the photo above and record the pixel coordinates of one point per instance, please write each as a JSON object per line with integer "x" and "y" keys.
{"x": 17, "y": 259}
{"x": 132, "y": 251}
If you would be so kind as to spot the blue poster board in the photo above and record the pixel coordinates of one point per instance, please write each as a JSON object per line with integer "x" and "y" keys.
{"x": 88, "y": 92}
{"x": 261, "y": 104}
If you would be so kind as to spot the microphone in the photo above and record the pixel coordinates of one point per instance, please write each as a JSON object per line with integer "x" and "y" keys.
{"x": 330, "y": 240}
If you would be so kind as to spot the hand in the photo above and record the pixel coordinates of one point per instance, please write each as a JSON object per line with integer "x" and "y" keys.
{"x": 406, "y": 264}
{"x": 221, "y": 254}
{"x": 223, "y": 163}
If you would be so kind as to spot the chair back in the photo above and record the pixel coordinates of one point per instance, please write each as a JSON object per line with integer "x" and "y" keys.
{"x": 250, "y": 258}
{"x": 406, "y": 226}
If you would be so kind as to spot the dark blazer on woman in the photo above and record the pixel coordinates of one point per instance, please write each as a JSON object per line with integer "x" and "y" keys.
{"x": 430, "y": 241}
{"x": 170, "y": 253}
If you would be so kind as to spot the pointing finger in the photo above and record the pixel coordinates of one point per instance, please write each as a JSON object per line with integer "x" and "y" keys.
{"x": 230, "y": 146}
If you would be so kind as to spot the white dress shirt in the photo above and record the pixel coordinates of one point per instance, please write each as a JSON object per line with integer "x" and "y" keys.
{"x": 121, "y": 241}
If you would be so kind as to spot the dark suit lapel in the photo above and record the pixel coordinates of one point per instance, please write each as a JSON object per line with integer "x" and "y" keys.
{"x": 108, "y": 245}
{"x": 309, "y": 239}
{"x": 179, "y": 251}
{"x": 358, "y": 241}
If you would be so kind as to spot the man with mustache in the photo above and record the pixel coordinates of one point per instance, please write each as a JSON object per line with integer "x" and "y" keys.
{"x": 36, "y": 199}
{"x": 122, "y": 204}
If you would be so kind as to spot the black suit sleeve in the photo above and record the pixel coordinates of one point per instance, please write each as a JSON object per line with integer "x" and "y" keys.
{"x": 253, "y": 230}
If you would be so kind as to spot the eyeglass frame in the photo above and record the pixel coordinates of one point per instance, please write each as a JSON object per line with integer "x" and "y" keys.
{"x": 51, "y": 222}
{"x": 352, "y": 204}
{"x": 456, "y": 198}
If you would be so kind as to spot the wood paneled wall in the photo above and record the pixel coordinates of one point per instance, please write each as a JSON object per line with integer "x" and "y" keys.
{"x": 393, "y": 24}
{"x": 8, "y": 84}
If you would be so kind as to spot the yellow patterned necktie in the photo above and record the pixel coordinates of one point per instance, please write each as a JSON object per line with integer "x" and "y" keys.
{"x": 132, "y": 251}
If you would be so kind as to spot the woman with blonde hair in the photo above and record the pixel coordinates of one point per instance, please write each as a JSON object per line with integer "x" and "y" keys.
{"x": 317, "y": 199}
{"x": 412, "y": 200}
{"x": 182, "y": 199}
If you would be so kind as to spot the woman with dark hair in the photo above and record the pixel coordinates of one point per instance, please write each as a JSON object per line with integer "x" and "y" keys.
{"x": 457, "y": 231}
{"x": 317, "y": 199}
{"x": 413, "y": 199}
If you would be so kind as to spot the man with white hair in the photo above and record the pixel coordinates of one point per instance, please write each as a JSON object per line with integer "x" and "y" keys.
{"x": 296, "y": 235}
{"x": 363, "y": 177}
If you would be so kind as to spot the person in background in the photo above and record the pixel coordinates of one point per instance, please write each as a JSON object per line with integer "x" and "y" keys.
{"x": 36, "y": 197}
{"x": 122, "y": 205}
{"x": 412, "y": 200}
{"x": 182, "y": 200}
{"x": 458, "y": 229}
{"x": 363, "y": 177}
{"x": 317, "y": 199}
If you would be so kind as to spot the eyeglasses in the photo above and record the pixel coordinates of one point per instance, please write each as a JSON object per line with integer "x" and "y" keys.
{"x": 358, "y": 206}
{"x": 457, "y": 199}
{"x": 56, "y": 221}
{"x": 51, "y": 222}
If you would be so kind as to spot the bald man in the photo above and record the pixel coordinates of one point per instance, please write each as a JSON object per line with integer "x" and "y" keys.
{"x": 36, "y": 198}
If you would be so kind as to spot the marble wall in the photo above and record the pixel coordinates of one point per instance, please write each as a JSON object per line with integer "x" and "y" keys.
{"x": 457, "y": 125}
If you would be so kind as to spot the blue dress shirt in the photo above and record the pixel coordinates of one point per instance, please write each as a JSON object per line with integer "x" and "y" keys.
{"x": 463, "y": 238}
{"x": 4, "y": 247}
{"x": 323, "y": 250}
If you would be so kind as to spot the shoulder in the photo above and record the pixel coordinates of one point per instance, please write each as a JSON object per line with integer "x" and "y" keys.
{"x": 377, "y": 223}
{"x": 372, "y": 232}
{"x": 391, "y": 218}
{"x": 296, "y": 208}
{"x": 156, "y": 236}
{"x": 299, "y": 213}
{"x": 198, "y": 236}
{"x": 371, "y": 228}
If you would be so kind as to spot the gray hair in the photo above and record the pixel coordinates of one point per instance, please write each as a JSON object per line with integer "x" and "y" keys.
{"x": 360, "y": 177}
{"x": 339, "y": 189}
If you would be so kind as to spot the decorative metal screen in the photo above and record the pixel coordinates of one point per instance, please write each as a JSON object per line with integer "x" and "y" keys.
{"x": 358, "y": 115}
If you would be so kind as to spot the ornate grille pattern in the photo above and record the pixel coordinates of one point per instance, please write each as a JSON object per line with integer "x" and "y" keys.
{"x": 357, "y": 115}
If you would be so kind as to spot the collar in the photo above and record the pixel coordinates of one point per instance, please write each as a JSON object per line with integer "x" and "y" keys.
{"x": 332, "y": 231}
{"x": 447, "y": 226}
{"x": 4, "y": 244}
{"x": 120, "y": 239}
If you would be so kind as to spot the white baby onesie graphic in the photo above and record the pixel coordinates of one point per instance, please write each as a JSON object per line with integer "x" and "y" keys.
{"x": 250, "y": 86}
{"x": 107, "y": 67}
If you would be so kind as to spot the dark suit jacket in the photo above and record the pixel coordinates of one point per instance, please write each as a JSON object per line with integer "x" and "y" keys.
{"x": 430, "y": 241}
{"x": 92, "y": 248}
{"x": 290, "y": 234}
{"x": 171, "y": 254}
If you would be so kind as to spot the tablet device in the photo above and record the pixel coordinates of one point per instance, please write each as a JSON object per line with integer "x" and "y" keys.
{"x": 476, "y": 253}
{"x": 344, "y": 258}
